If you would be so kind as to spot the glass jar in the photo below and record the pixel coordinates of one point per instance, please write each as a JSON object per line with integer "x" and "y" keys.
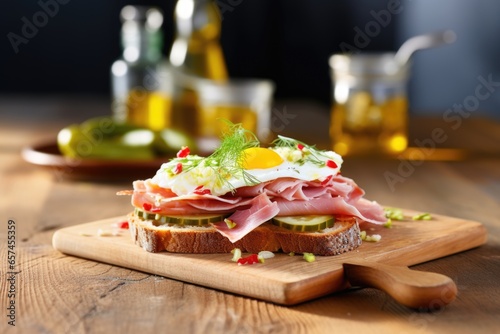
{"x": 244, "y": 101}
{"x": 370, "y": 106}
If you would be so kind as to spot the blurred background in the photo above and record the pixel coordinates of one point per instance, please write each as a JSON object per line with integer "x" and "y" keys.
{"x": 288, "y": 41}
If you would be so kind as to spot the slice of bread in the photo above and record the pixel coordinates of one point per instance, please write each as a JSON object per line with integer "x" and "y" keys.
{"x": 344, "y": 236}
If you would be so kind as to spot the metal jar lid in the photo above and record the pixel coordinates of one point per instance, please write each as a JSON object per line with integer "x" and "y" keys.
{"x": 368, "y": 67}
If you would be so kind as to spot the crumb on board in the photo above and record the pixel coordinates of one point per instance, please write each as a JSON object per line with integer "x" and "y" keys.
{"x": 370, "y": 238}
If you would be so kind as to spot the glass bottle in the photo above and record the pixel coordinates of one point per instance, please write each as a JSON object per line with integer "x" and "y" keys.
{"x": 196, "y": 53}
{"x": 138, "y": 78}
{"x": 196, "y": 48}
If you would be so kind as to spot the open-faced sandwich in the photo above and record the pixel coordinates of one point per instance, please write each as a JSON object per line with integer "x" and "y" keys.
{"x": 288, "y": 197}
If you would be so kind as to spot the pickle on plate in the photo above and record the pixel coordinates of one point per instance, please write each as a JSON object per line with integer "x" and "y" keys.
{"x": 75, "y": 143}
{"x": 169, "y": 141}
{"x": 107, "y": 127}
{"x": 104, "y": 138}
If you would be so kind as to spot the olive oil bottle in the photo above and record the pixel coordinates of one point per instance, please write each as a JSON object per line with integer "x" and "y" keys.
{"x": 196, "y": 48}
{"x": 196, "y": 54}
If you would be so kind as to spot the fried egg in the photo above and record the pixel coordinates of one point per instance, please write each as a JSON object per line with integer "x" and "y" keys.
{"x": 197, "y": 175}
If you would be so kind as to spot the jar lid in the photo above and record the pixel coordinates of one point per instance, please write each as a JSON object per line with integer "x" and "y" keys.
{"x": 366, "y": 65}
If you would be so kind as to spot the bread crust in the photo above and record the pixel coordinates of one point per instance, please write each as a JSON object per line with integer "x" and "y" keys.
{"x": 343, "y": 237}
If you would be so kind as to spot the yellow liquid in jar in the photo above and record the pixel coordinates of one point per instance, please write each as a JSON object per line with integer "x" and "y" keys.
{"x": 212, "y": 124}
{"x": 149, "y": 109}
{"x": 185, "y": 112}
{"x": 362, "y": 127}
{"x": 160, "y": 111}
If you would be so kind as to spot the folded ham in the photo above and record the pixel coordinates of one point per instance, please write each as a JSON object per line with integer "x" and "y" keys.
{"x": 251, "y": 206}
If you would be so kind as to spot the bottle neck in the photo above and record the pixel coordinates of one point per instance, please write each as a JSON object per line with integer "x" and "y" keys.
{"x": 141, "y": 44}
{"x": 197, "y": 19}
{"x": 196, "y": 49}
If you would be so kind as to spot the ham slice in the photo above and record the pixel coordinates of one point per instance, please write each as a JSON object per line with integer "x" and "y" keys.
{"x": 253, "y": 205}
{"x": 261, "y": 210}
{"x": 368, "y": 211}
{"x": 294, "y": 189}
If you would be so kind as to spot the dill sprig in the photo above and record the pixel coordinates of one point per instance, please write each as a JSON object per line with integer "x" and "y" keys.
{"x": 312, "y": 154}
{"x": 226, "y": 160}
{"x": 234, "y": 141}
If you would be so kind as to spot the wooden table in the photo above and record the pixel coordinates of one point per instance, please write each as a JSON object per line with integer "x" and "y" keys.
{"x": 55, "y": 293}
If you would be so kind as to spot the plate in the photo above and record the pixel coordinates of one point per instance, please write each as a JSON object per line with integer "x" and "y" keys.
{"x": 47, "y": 155}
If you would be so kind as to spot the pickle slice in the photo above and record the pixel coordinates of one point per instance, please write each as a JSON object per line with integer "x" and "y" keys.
{"x": 171, "y": 220}
{"x": 304, "y": 223}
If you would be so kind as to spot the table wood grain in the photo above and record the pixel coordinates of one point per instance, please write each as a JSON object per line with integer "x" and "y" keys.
{"x": 55, "y": 293}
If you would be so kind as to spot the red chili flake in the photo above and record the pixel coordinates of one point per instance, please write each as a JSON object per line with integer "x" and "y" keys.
{"x": 183, "y": 152}
{"x": 123, "y": 225}
{"x": 300, "y": 146}
{"x": 325, "y": 181}
{"x": 251, "y": 259}
{"x": 201, "y": 191}
{"x": 178, "y": 168}
{"x": 147, "y": 206}
{"x": 331, "y": 164}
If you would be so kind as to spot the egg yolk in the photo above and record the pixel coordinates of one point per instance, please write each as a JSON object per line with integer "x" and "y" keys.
{"x": 260, "y": 158}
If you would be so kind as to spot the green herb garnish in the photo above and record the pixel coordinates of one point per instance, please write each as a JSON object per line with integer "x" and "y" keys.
{"x": 394, "y": 213}
{"x": 226, "y": 160}
{"x": 310, "y": 152}
{"x": 369, "y": 238}
{"x": 422, "y": 216}
{"x": 309, "y": 257}
{"x": 230, "y": 224}
{"x": 388, "y": 223}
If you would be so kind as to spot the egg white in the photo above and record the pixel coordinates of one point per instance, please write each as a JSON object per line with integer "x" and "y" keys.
{"x": 185, "y": 183}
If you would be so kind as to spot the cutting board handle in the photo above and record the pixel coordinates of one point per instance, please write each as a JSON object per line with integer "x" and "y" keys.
{"x": 412, "y": 288}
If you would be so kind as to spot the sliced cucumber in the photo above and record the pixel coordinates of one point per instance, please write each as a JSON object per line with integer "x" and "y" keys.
{"x": 304, "y": 223}
{"x": 171, "y": 220}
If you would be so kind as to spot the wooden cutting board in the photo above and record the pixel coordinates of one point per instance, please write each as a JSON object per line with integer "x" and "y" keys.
{"x": 283, "y": 279}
